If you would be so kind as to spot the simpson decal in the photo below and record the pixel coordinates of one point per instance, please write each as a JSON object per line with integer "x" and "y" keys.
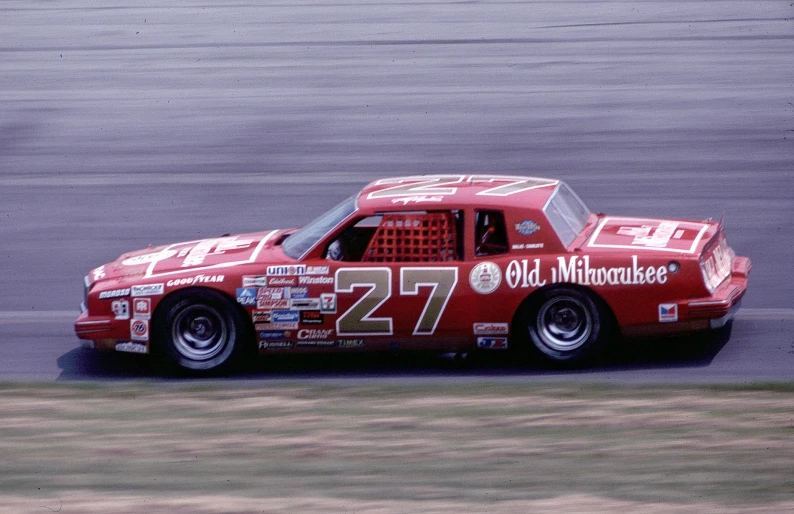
{"x": 485, "y": 277}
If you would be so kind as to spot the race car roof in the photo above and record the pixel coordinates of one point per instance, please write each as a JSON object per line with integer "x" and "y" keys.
{"x": 451, "y": 191}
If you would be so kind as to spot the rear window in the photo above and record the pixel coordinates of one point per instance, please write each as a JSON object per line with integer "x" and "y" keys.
{"x": 567, "y": 214}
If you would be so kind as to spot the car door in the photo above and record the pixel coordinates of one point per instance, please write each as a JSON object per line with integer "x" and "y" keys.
{"x": 396, "y": 280}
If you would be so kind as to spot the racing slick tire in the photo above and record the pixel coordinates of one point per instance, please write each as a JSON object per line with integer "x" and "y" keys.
{"x": 564, "y": 325}
{"x": 199, "y": 331}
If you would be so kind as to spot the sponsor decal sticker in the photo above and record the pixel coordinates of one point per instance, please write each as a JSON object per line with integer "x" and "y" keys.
{"x": 492, "y": 343}
{"x": 142, "y": 308}
{"x": 527, "y": 227}
{"x": 139, "y": 330}
{"x": 275, "y": 345}
{"x": 484, "y": 329}
{"x": 130, "y": 346}
{"x": 286, "y": 316}
{"x": 147, "y": 290}
{"x": 148, "y": 258}
{"x": 318, "y": 270}
{"x": 254, "y": 281}
{"x": 290, "y": 270}
{"x": 261, "y": 316}
{"x": 298, "y": 292}
{"x": 312, "y": 318}
{"x": 274, "y": 334}
{"x": 274, "y": 325}
{"x": 527, "y": 246}
{"x": 322, "y": 344}
{"x": 668, "y": 312}
{"x": 270, "y": 294}
{"x": 485, "y": 277}
{"x": 121, "y": 309}
{"x": 198, "y": 279}
{"x": 315, "y": 281}
{"x": 315, "y": 333}
{"x": 350, "y": 343}
{"x": 578, "y": 270}
{"x": 272, "y": 304}
{"x": 328, "y": 303}
{"x": 115, "y": 293}
{"x": 282, "y": 281}
{"x": 311, "y": 304}
{"x": 246, "y": 296}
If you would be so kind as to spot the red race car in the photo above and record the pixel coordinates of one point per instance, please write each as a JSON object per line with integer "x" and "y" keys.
{"x": 448, "y": 263}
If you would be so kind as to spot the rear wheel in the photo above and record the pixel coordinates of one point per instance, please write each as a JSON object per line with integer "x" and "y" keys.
{"x": 200, "y": 331}
{"x": 564, "y": 324}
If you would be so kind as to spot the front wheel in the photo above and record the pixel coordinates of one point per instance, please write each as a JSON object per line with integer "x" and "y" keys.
{"x": 564, "y": 325}
{"x": 199, "y": 331}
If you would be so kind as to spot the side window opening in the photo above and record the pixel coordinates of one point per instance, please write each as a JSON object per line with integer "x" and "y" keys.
{"x": 401, "y": 237}
{"x": 490, "y": 236}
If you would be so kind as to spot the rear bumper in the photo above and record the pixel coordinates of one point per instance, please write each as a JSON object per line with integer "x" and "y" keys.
{"x": 710, "y": 312}
{"x": 721, "y": 307}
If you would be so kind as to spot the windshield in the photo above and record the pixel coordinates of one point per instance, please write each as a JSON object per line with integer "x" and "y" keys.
{"x": 303, "y": 240}
{"x": 567, "y": 214}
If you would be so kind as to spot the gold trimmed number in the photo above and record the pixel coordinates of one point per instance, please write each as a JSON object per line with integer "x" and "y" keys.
{"x": 417, "y": 186}
{"x": 511, "y": 186}
{"x": 356, "y": 321}
{"x": 443, "y": 282}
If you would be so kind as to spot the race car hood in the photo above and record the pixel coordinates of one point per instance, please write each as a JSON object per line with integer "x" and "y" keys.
{"x": 676, "y": 236}
{"x": 205, "y": 255}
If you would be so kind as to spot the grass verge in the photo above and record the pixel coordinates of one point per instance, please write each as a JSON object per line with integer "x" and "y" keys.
{"x": 498, "y": 447}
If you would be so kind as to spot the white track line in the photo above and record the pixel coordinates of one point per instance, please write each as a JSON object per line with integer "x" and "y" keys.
{"x": 33, "y": 317}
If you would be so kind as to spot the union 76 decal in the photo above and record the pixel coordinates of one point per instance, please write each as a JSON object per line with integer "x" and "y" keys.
{"x": 358, "y": 320}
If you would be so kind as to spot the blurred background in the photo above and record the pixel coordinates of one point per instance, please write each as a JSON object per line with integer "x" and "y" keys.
{"x": 130, "y": 123}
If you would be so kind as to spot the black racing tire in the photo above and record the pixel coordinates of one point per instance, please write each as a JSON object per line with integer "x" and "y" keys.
{"x": 200, "y": 331}
{"x": 564, "y": 325}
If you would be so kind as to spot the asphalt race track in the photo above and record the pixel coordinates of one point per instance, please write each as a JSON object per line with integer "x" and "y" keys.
{"x": 124, "y": 124}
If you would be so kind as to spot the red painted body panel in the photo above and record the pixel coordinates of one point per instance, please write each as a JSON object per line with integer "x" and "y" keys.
{"x": 654, "y": 275}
